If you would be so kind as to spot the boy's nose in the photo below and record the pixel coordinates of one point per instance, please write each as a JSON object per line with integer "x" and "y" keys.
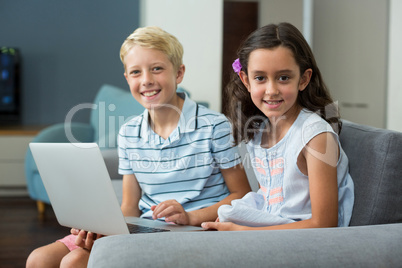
{"x": 147, "y": 79}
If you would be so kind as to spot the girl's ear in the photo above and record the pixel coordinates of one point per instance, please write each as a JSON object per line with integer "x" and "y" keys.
{"x": 180, "y": 74}
{"x": 244, "y": 79}
{"x": 305, "y": 79}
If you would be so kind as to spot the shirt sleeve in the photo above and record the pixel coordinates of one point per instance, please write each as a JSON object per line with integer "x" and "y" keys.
{"x": 124, "y": 161}
{"x": 315, "y": 128}
{"x": 224, "y": 152}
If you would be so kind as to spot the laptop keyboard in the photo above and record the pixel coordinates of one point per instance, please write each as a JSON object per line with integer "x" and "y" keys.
{"x": 138, "y": 229}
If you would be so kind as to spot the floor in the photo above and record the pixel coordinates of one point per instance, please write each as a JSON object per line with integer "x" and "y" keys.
{"x": 22, "y": 230}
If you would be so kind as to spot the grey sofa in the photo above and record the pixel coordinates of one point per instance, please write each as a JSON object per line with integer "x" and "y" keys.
{"x": 374, "y": 238}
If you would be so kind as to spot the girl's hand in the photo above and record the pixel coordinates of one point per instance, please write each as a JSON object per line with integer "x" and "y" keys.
{"x": 221, "y": 226}
{"x": 85, "y": 239}
{"x": 172, "y": 210}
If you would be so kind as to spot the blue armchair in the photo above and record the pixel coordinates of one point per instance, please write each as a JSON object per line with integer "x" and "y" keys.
{"x": 112, "y": 107}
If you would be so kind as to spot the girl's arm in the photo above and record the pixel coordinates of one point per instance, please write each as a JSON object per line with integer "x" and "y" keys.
{"x": 237, "y": 183}
{"x": 318, "y": 159}
{"x": 131, "y": 196}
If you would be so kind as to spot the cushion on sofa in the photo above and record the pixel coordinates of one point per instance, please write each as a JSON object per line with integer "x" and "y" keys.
{"x": 375, "y": 162}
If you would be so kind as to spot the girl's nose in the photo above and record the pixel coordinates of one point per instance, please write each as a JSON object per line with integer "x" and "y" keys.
{"x": 271, "y": 89}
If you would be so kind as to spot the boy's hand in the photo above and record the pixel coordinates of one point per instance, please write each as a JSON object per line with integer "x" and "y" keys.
{"x": 172, "y": 210}
{"x": 85, "y": 239}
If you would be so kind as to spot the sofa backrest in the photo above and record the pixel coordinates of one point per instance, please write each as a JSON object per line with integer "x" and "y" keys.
{"x": 113, "y": 107}
{"x": 375, "y": 164}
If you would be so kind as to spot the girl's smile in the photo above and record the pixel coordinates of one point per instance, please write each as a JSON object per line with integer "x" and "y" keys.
{"x": 273, "y": 104}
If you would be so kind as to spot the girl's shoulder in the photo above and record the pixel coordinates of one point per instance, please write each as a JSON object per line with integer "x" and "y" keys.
{"x": 312, "y": 124}
{"x": 307, "y": 119}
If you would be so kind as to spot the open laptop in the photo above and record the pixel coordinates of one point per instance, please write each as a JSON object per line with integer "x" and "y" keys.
{"x": 81, "y": 192}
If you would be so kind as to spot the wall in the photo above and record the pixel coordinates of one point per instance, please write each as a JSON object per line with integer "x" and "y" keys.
{"x": 394, "y": 107}
{"x": 198, "y": 26}
{"x": 276, "y": 11}
{"x": 69, "y": 49}
{"x": 351, "y": 49}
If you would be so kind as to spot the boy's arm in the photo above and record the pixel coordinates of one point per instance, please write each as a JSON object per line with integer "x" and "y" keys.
{"x": 131, "y": 196}
{"x": 238, "y": 185}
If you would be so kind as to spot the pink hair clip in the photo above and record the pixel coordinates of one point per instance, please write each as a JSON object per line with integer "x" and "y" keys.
{"x": 236, "y": 66}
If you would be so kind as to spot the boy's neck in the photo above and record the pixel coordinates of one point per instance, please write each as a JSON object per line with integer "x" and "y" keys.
{"x": 164, "y": 120}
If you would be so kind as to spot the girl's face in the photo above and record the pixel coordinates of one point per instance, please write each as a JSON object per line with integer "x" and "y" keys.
{"x": 274, "y": 82}
{"x": 152, "y": 78}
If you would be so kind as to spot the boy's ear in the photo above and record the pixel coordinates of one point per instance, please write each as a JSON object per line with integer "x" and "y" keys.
{"x": 305, "y": 79}
{"x": 244, "y": 79}
{"x": 180, "y": 74}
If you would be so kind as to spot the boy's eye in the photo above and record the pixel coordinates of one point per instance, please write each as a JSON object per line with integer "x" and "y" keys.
{"x": 157, "y": 68}
{"x": 134, "y": 72}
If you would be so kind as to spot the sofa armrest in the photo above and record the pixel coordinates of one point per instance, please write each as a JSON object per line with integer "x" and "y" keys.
{"x": 365, "y": 246}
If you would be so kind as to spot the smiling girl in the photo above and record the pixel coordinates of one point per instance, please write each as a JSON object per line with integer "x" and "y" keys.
{"x": 282, "y": 109}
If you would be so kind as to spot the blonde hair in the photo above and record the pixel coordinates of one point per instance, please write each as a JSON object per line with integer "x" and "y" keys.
{"x": 155, "y": 38}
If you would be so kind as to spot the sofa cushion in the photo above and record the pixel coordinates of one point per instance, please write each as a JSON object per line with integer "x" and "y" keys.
{"x": 375, "y": 162}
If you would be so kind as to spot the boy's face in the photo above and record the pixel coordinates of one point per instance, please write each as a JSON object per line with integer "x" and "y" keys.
{"x": 151, "y": 77}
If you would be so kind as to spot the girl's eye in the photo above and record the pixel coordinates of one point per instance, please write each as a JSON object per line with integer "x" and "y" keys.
{"x": 283, "y": 78}
{"x": 260, "y": 78}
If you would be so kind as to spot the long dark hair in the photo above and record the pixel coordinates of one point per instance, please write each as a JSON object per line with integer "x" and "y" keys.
{"x": 244, "y": 115}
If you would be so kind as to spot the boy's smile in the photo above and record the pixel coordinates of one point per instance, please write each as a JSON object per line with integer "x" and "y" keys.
{"x": 152, "y": 78}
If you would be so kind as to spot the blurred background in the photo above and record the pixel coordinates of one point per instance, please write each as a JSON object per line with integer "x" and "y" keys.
{"x": 68, "y": 49}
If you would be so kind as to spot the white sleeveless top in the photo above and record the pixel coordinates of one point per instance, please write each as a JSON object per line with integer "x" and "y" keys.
{"x": 284, "y": 195}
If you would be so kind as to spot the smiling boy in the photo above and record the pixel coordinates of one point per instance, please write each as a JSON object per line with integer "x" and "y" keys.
{"x": 177, "y": 158}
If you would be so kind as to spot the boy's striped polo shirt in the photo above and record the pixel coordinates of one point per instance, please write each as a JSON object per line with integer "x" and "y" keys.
{"x": 186, "y": 166}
